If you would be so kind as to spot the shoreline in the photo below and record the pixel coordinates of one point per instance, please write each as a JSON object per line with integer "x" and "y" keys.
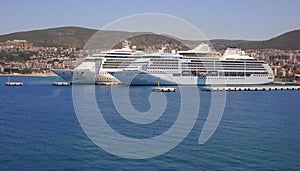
{"x": 54, "y": 75}
{"x": 28, "y": 75}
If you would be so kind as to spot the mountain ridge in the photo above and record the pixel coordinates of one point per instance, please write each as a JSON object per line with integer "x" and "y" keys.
{"x": 72, "y": 36}
{"x": 286, "y": 41}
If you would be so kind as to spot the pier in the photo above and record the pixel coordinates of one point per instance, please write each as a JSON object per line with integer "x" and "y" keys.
{"x": 61, "y": 83}
{"x": 14, "y": 83}
{"x": 9, "y": 83}
{"x": 163, "y": 89}
{"x": 251, "y": 88}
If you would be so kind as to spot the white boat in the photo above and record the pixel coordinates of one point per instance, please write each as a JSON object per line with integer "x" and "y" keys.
{"x": 14, "y": 83}
{"x": 163, "y": 89}
{"x": 194, "y": 67}
{"x": 91, "y": 71}
{"x": 199, "y": 66}
{"x": 10, "y": 83}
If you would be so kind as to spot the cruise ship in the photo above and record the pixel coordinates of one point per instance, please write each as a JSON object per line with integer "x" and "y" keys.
{"x": 199, "y": 66}
{"x": 90, "y": 71}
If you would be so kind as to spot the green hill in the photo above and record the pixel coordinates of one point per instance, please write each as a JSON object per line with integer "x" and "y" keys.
{"x": 77, "y": 37}
{"x": 289, "y": 40}
{"x": 58, "y": 37}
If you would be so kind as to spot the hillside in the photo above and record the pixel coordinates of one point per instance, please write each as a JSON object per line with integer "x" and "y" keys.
{"x": 77, "y": 37}
{"x": 289, "y": 40}
{"x": 59, "y": 37}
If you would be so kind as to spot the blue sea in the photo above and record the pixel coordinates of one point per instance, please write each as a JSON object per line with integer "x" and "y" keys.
{"x": 39, "y": 130}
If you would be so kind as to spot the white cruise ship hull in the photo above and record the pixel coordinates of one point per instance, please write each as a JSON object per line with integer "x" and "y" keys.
{"x": 67, "y": 75}
{"x": 77, "y": 76}
{"x": 143, "y": 78}
{"x": 86, "y": 77}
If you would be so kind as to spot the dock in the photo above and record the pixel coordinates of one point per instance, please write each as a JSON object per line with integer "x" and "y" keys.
{"x": 10, "y": 83}
{"x": 14, "y": 83}
{"x": 61, "y": 83}
{"x": 164, "y": 89}
{"x": 251, "y": 88}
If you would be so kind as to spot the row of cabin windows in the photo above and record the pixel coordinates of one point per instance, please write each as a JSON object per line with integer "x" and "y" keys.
{"x": 232, "y": 74}
{"x": 193, "y": 64}
{"x": 120, "y": 60}
{"x": 165, "y": 71}
{"x": 218, "y": 65}
{"x": 208, "y": 68}
{"x": 164, "y": 63}
{"x": 227, "y": 63}
{"x": 163, "y": 66}
{"x": 164, "y": 60}
{"x": 117, "y": 63}
{"x": 228, "y": 67}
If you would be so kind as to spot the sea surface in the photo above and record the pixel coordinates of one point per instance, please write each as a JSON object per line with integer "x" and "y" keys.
{"x": 39, "y": 130}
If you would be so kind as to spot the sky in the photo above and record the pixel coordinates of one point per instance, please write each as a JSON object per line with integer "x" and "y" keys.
{"x": 222, "y": 19}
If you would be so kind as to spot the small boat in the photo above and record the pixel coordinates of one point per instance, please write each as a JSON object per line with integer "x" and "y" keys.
{"x": 163, "y": 89}
{"x": 9, "y": 83}
{"x": 61, "y": 83}
{"x": 13, "y": 83}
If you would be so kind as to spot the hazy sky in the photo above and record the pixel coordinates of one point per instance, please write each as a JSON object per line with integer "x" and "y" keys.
{"x": 229, "y": 19}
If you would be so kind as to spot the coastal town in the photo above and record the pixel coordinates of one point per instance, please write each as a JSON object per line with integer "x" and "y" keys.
{"x": 21, "y": 57}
